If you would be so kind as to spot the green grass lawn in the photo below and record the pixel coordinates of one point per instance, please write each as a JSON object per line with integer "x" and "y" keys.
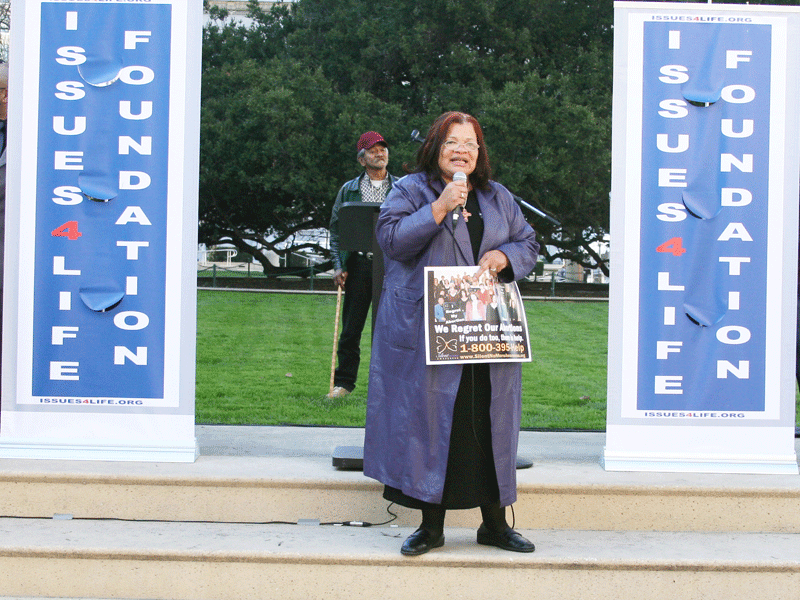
{"x": 266, "y": 359}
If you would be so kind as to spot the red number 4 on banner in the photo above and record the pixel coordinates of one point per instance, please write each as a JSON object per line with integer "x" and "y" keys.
{"x": 68, "y": 230}
{"x": 672, "y": 246}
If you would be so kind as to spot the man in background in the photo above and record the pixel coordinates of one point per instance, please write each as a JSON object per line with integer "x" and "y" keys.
{"x": 353, "y": 270}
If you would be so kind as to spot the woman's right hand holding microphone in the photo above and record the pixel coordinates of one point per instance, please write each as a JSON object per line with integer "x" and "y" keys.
{"x": 453, "y": 196}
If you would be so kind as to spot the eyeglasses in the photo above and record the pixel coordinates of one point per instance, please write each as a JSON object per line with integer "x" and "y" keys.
{"x": 452, "y": 145}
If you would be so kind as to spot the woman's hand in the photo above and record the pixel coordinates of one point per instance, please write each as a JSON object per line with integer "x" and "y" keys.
{"x": 493, "y": 261}
{"x": 452, "y": 196}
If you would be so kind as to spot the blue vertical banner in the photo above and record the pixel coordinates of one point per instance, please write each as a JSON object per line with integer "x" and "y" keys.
{"x": 101, "y": 202}
{"x": 704, "y": 172}
{"x": 704, "y": 239}
{"x": 99, "y": 303}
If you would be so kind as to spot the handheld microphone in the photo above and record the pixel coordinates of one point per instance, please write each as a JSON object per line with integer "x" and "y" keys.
{"x": 458, "y": 176}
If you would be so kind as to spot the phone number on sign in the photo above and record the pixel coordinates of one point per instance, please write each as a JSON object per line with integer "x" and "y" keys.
{"x": 494, "y": 347}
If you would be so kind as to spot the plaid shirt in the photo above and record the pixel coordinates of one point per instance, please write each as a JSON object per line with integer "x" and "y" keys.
{"x": 372, "y": 193}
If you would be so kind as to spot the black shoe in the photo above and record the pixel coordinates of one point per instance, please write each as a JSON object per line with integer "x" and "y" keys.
{"x": 421, "y": 541}
{"x": 507, "y": 540}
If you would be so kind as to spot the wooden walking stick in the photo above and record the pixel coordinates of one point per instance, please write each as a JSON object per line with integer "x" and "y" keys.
{"x": 335, "y": 334}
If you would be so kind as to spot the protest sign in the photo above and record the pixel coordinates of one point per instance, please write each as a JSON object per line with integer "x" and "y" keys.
{"x": 471, "y": 319}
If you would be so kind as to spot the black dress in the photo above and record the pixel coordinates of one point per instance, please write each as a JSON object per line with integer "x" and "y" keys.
{"x": 471, "y": 478}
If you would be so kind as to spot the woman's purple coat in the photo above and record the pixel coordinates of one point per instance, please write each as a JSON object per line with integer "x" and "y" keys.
{"x": 410, "y": 404}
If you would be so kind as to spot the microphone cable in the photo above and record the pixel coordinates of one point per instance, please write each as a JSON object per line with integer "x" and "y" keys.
{"x": 68, "y": 517}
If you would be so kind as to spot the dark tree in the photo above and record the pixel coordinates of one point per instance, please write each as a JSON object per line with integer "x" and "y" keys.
{"x": 285, "y": 99}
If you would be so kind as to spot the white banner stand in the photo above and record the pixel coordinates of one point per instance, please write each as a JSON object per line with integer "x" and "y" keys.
{"x": 704, "y": 221}
{"x": 101, "y": 231}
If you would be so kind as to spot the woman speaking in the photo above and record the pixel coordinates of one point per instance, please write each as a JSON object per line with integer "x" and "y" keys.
{"x": 445, "y": 436}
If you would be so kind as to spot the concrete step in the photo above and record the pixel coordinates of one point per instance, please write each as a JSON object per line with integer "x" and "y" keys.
{"x": 566, "y": 489}
{"x": 229, "y": 489}
{"x": 112, "y": 559}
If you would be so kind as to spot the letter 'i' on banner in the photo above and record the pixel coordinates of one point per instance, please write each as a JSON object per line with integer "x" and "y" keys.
{"x": 101, "y": 231}
{"x": 704, "y": 229}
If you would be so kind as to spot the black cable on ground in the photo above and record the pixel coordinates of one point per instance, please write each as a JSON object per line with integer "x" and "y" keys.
{"x": 201, "y": 522}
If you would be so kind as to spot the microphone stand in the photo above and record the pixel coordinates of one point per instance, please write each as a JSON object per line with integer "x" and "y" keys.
{"x": 536, "y": 211}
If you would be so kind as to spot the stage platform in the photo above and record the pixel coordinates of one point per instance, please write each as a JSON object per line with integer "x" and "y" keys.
{"x": 208, "y": 529}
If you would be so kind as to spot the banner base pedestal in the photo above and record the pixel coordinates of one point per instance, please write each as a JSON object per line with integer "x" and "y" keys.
{"x": 671, "y": 463}
{"x": 72, "y": 450}
{"x": 750, "y": 450}
{"x": 108, "y": 437}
